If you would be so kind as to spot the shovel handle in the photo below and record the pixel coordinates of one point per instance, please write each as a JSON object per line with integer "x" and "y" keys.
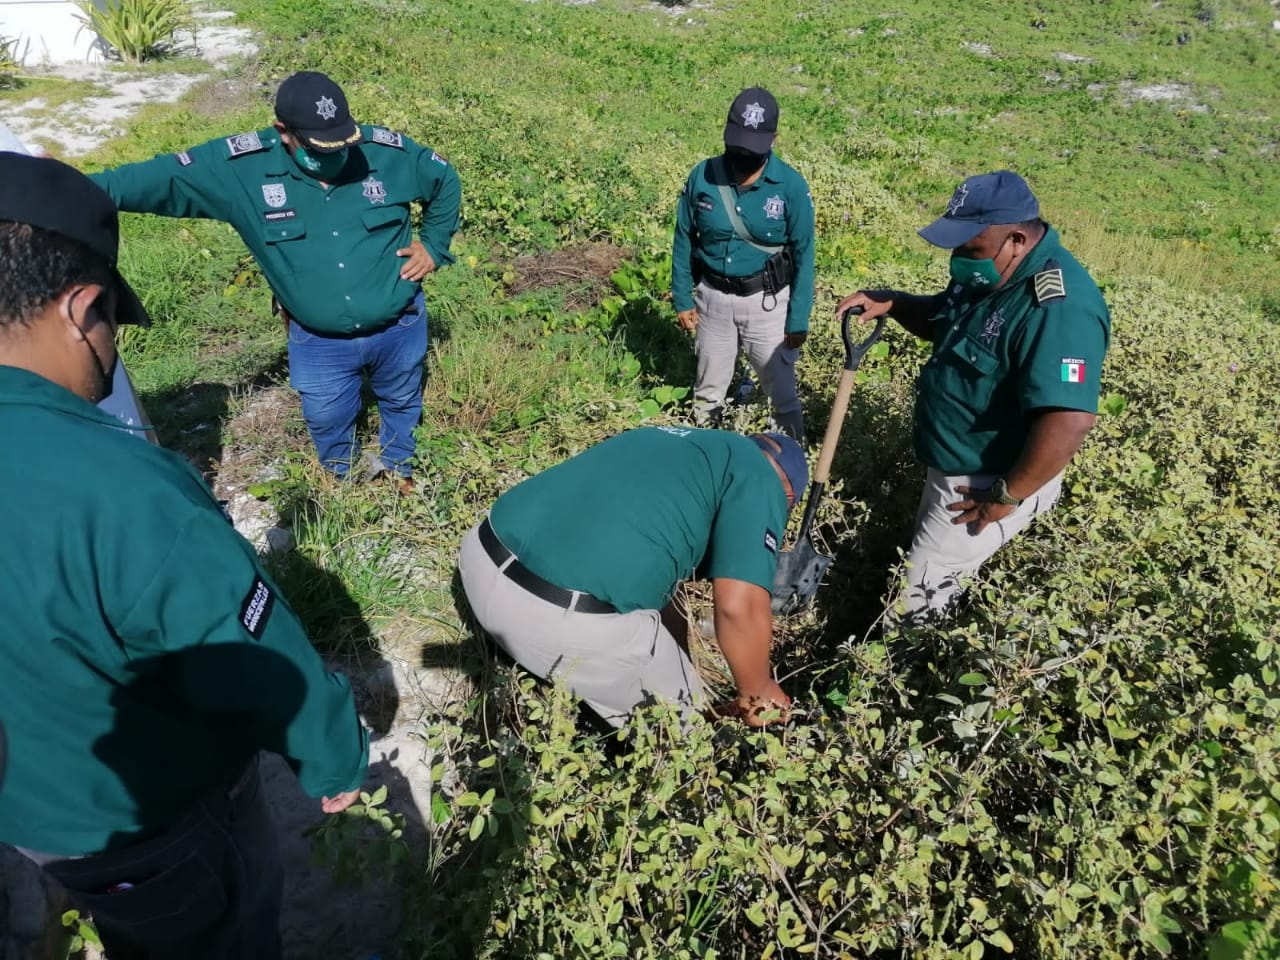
{"x": 853, "y": 354}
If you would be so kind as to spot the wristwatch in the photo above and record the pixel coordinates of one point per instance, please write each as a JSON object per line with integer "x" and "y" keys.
{"x": 999, "y": 493}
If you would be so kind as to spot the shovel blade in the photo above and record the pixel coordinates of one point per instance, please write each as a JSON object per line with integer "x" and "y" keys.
{"x": 800, "y": 572}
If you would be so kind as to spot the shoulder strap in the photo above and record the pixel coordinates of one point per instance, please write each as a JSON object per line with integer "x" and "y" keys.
{"x": 730, "y": 201}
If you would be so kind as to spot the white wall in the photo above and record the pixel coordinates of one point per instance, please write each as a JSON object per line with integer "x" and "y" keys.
{"x": 47, "y": 31}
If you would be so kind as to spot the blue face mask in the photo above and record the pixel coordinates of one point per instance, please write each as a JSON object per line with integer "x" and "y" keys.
{"x": 322, "y": 166}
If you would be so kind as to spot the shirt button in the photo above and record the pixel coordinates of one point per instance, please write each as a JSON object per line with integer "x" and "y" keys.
{"x": 284, "y": 233}
{"x": 335, "y": 233}
{"x": 346, "y": 298}
{"x": 341, "y": 266}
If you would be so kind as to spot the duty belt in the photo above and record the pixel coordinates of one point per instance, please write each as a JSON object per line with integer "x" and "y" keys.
{"x": 738, "y": 286}
{"x": 518, "y": 573}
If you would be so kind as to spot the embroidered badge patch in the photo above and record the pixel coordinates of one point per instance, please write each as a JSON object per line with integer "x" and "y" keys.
{"x": 326, "y": 109}
{"x": 387, "y": 137}
{"x": 1049, "y": 285}
{"x": 243, "y": 143}
{"x": 273, "y": 194}
{"x": 185, "y": 158}
{"x": 256, "y": 608}
{"x": 957, "y": 200}
{"x": 771, "y": 541}
{"x": 775, "y": 207}
{"x": 439, "y": 159}
{"x": 752, "y": 115}
{"x": 1072, "y": 370}
{"x": 274, "y": 216}
{"x": 991, "y": 328}
{"x": 705, "y": 204}
{"x": 374, "y": 191}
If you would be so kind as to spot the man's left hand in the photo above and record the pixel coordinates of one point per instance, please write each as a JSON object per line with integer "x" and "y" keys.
{"x": 340, "y": 802}
{"x": 419, "y": 263}
{"x": 977, "y": 511}
{"x": 794, "y": 341}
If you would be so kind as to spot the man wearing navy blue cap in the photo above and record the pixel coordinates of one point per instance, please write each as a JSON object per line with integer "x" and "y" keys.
{"x": 1011, "y": 388}
{"x": 574, "y": 571}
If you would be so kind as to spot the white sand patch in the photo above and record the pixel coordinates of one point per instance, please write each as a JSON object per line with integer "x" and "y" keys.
{"x": 981, "y": 49}
{"x": 1073, "y": 58}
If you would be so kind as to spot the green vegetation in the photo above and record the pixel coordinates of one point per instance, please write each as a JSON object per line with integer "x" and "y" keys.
{"x": 1084, "y": 763}
{"x": 137, "y": 30}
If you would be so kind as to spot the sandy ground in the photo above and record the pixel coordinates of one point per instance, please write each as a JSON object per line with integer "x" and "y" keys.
{"x": 321, "y": 917}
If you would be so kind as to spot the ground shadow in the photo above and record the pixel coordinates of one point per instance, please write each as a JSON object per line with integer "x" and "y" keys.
{"x": 652, "y": 336}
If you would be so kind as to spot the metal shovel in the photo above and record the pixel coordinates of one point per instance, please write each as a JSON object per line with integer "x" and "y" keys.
{"x": 801, "y": 569}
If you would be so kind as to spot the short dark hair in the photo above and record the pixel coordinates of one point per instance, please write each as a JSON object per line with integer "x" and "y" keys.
{"x": 1034, "y": 225}
{"x": 37, "y": 266}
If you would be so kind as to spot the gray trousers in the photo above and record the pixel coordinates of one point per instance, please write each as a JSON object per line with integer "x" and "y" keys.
{"x": 208, "y": 888}
{"x": 727, "y": 322}
{"x": 944, "y": 555}
{"x": 614, "y": 661}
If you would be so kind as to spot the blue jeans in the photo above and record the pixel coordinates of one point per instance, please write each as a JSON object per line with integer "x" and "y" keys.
{"x": 327, "y": 371}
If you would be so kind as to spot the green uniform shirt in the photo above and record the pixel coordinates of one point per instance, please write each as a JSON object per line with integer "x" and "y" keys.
{"x": 145, "y": 655}
{"x": 328, "y": 254}
{"x": 776, "y": 209}
{"x": 1035, "y": 343}
{"x": 629, "y": 519}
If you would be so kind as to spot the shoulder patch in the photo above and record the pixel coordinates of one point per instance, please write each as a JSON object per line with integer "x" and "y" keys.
{"x": 1049, "y": 285}
{"x": 243, "y": 143}
{"x": 770, "y": 541}
{"x": 388, "y": 138}
{"x": 184, "y": 158}
{"x": 256, "y": 608}
{"x": 439, "y": 159}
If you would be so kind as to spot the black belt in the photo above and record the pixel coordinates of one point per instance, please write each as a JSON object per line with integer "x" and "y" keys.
{"x": 518, "y": 573}
{"x": 738, "y": 286}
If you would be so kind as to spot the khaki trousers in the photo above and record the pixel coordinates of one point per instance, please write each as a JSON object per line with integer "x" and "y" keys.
{"x": 944, "y": 556}
{"x": 615, "y": 662}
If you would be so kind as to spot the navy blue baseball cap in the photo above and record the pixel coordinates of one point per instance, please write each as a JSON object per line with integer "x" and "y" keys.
{"x": 789, "y": 457}
{"x": 753, "y": 121}
{"x": 315, "y": 108}
{"x": 985, "y": 200}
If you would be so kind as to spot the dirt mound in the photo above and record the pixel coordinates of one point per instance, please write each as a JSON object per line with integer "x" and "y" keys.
{"x": 583, "y": 271}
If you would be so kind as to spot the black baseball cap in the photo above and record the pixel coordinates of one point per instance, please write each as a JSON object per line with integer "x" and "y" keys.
{"x": 988, "y": 199}
{"x": 753, "y": 121}
{"x": 315, "y": 108}
{"x": 48, "y": 194}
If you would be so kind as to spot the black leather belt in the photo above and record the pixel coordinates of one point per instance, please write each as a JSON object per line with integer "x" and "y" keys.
{"x": 738, "y": 286}
{"x": 518, "y": 573}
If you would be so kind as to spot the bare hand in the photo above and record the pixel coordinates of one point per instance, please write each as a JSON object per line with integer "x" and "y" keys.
{"x": 978, "y": 512}
{"x": 419, "y": 263}
{"x": 688, "y": 319}
{"x": 769, "y": 705}
{"x": 340, "y": 802}
{"x": 874, "y": 303}
{"x": 794, "y": 341}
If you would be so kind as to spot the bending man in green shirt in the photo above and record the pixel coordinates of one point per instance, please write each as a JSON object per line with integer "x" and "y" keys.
{"x": 572, "y": 571}
{"x": 324, "y": 206}
{"x": 146, "y": 657}
{"x": 1011, "y": 388}
{"x": 742, "y": 269}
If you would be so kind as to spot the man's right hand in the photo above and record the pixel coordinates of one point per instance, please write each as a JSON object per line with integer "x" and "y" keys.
{"x": 761, "y": 708}
{"x": 874, "y": 303}
{"x": 340, "y": 802}
{"x": 688, "y": 319}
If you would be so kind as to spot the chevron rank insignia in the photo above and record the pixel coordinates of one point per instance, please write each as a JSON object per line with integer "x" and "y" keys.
{"x": 1049, "y": 285}
{"x": 243, "y": 143}
{"x": 388, "y": 138}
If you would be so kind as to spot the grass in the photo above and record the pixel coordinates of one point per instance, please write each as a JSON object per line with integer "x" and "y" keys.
{"x": 576, "y": 124}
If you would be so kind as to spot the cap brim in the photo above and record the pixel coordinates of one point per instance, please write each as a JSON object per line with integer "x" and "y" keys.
{"x": 129, "y": 308}
{"x": 333, "y": 139}
{"x": 757, "y": 141}
{"x": 949, "y": 234}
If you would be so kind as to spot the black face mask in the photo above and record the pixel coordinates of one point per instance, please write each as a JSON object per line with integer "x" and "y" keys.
{"x": 742, "y": 164}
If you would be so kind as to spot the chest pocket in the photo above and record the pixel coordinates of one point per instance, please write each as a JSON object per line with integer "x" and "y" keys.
{"x": 382, "y": 218}
{"x": 284, "y": 231}
{"x": 970, "y": 373}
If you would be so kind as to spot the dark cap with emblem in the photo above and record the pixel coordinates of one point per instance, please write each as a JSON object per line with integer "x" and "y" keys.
{"x": 315, "y": 108}
{"x": 46, "y": 193}
{"x": 989, "y": 199}
{"x": 753, "y": 121}
{"x": 789, "y": 457}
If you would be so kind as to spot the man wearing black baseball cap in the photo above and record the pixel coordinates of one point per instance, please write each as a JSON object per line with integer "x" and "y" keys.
{"x": 742, "y": 266}
{"x": 1011, "y": 388}
{"x": 146, "y": 656}
{"x": 325, "y": 207}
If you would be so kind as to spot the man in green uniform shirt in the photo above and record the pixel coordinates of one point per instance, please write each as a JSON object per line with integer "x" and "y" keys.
{"x": 146, "y": 657}
{"x": 742, "y": 263}
{"x": 572, "y": 570}
{"x": 324, "y": 206}
{"x": 1011, "y": 388}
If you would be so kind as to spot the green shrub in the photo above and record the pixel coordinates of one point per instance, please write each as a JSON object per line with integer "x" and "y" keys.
{"x": 137, "y": 30}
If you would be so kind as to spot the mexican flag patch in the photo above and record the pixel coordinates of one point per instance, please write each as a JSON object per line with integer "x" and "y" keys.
{"x": 1072, "y": 370}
